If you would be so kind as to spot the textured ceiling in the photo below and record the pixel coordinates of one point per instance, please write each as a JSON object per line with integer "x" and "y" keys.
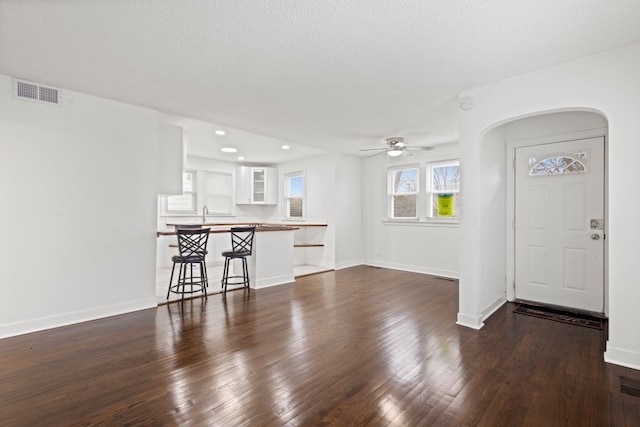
{"x": 336, "y": 75}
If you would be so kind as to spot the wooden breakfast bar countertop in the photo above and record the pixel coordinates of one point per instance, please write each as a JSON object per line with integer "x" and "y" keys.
{"x": 226, "y": 227}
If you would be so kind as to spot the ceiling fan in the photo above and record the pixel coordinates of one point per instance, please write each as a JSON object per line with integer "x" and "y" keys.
{"x": 396, "y": 146}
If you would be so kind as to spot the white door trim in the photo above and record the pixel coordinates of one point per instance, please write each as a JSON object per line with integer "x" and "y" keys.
{"x": 510, "y": 202}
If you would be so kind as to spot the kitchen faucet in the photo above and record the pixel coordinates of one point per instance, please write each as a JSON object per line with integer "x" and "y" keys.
{"x": 205, "y": 211}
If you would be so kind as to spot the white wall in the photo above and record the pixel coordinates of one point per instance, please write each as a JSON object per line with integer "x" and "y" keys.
{"x": 348, "y": 211}
{"x": 319, "y": 205}
{"x": 422, "y": 247}
{"x": 79, "y": 184}
{"x": 552, "y": 125}
{"x": 171, "y": 153}
{"x": 493, "y": 262}
{"x": 605, "y": 83}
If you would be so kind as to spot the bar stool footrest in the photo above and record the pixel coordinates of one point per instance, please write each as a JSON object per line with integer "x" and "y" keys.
{"x": 241, "y": 281}
{"x": 185, "y": 288}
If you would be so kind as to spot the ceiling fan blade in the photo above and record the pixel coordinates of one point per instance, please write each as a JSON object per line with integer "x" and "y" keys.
{"x": 374, "y": 154}
{"x": 413, "y": 147}
{"x": 373, "y": 149}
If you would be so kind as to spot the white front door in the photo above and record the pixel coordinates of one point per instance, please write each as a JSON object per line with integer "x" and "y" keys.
{"x": 559, "y": 221}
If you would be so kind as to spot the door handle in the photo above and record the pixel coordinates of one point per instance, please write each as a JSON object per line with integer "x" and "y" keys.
{"x": 595, "y": 236}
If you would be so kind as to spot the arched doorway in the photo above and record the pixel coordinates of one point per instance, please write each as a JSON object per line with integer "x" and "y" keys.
{"x": 552, "y": 256}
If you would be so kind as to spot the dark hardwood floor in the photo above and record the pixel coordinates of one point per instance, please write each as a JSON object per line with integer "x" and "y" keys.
{"x": 352, "y": 347}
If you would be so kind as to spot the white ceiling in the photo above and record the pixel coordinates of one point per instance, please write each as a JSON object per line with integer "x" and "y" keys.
{"x": 202, "y": 141}
{"x": 336, "y": 75}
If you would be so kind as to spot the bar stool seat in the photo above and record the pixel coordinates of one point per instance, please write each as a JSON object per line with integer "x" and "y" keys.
{"x": 241, "y": 248}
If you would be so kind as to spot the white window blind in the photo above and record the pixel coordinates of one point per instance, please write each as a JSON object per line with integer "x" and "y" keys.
{"x": 218, "y": 193}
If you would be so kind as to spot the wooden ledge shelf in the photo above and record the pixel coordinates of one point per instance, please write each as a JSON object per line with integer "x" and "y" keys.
{"x": 309, "y": 245}
{"x": 300, "y": 224}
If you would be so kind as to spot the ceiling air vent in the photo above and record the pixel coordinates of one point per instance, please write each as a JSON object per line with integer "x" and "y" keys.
{"x": 35, "y": 92}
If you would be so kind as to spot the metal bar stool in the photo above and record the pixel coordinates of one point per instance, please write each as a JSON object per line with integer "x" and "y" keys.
{"x": 192, "y": 227}
{"x": 241, "y": 248}
{"x": 192, "y": 248}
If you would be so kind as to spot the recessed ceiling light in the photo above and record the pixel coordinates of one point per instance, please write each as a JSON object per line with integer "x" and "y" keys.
{"x": 240, "y": 157}
{"x": 220, "y": 132}
{"x": 285, "y": 147}
{"x": 228, "y": 150}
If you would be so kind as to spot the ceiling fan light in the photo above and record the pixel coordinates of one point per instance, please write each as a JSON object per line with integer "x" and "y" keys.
{"x": 394, "y": 153}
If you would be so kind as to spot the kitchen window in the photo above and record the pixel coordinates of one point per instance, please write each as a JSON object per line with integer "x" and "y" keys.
{"x": 218, "y": 194}
{"x": 294, "y": 195}
{"x": 184, "y": 203}
{"x": 443, "y": 189}
{"x": 402, "y": 190}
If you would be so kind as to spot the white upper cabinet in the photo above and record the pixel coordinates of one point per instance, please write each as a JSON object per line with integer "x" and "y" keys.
{"x": 257, "y": 186}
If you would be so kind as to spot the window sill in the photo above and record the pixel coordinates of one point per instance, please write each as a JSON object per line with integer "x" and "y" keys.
{"x": 445, "y": 223}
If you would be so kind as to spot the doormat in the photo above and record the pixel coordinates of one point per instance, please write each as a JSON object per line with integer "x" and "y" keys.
{"x": 560, "y": 316}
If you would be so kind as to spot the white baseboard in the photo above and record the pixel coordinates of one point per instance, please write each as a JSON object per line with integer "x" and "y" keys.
{"x": 468, "y": 321}
{"x": 412, "y": 268}
{"x": 622, "y": 357}
{"x": 272, "y": 281}
{"x": 64, "y": 319}
{"x": 493, "y": 307}
{"x": 348, "y": 264}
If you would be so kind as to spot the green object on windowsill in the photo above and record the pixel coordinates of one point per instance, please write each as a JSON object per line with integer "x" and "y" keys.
{"x": 445, "y": 205}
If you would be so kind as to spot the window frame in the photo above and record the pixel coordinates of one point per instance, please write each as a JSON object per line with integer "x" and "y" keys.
{"x": 287, "y": 195}
{"x": 391, "y": 194}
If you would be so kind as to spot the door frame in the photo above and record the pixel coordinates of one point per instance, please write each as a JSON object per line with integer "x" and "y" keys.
{"x": 510, "y": 202}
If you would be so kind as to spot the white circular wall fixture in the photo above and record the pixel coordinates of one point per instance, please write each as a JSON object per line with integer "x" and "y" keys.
{"x": 466, "y": 103}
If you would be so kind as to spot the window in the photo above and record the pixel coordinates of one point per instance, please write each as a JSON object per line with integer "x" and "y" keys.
{"x": 218, "y": 193}
{"x": 403, "y": 192}
{"x": 444, "y": 189}
{"x": 185, "y": 203}
{"x": 558, "y": 164}
{"x": 294, "y": 194}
